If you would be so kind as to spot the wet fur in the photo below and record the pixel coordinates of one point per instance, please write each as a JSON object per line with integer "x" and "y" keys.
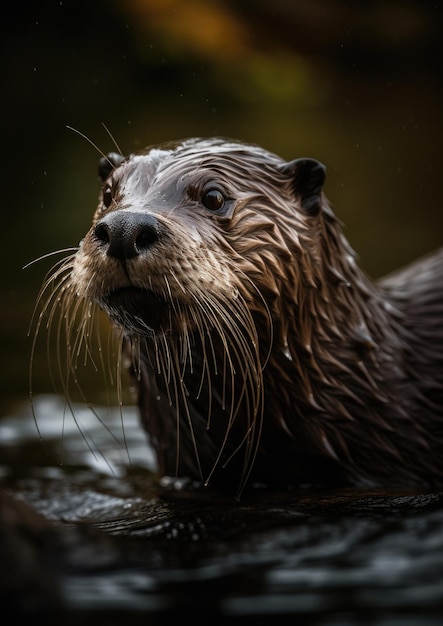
{"x": 259, "y": 349}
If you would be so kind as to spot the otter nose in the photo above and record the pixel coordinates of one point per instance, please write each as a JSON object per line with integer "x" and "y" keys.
{"x": 127, "y": 234}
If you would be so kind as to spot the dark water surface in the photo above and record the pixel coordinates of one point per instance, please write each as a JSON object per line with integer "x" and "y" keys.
{"x": 119, "y": 549}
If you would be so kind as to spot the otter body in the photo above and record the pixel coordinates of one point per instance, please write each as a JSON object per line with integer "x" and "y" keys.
{"x": 260, "y": 351}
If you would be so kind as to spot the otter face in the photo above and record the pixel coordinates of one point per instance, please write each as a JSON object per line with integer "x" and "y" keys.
{"x": 173, "y": 230}
{"x": 151, "y": 252}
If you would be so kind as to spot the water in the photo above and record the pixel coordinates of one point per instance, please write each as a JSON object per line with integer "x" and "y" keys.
{"x": 124, "y": 550}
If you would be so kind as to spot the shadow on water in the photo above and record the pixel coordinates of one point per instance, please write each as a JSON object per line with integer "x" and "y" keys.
{"x": 112, "y": 545}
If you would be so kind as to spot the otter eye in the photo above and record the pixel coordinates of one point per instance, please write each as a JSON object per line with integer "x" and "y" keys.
{"x": 107, "y": 197}
{"x": 213, "y": 200}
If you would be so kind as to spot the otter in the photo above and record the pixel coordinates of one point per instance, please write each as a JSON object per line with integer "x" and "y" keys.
{"x": 260, "y": 351}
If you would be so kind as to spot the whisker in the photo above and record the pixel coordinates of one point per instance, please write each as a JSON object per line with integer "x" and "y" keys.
{"x": 220, "y": 318}
{"x": 111, "y": 136}
{"x": 244, "y": 309}
{"x": 58, "y": 303}
{"x": 49, "y": 281}
{"x": 49, "y": 254}
{"x": 94, "y": 145}
{"x": 245, "y": 351}
{"x": 120, "y": 398}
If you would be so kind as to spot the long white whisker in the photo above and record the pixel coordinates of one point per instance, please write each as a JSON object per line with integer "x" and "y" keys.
{"x": 90, "y": 142}
{"x": 48, "y": 254}
{"x": 111, "y": 136}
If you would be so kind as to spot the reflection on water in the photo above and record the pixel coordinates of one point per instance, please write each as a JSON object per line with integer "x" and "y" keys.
{"x": 103, "y": 439}
{"x": 124, "y": 549}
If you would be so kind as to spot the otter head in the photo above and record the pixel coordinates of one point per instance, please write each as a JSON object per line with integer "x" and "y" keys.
{"x": 183, "y": 229}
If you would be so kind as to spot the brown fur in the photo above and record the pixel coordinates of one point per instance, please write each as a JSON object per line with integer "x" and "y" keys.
{"x": 260, "y": 350}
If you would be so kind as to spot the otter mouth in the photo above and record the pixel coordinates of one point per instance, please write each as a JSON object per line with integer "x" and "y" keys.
{"x": 138, "y": 310}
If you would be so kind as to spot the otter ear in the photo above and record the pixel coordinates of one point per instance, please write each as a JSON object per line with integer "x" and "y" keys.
{"x": 308, "y": 177}
{"x": 108, "y": 163}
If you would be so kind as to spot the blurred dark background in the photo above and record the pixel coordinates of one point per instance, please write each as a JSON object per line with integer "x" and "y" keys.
{"x": 357, "y": 85}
